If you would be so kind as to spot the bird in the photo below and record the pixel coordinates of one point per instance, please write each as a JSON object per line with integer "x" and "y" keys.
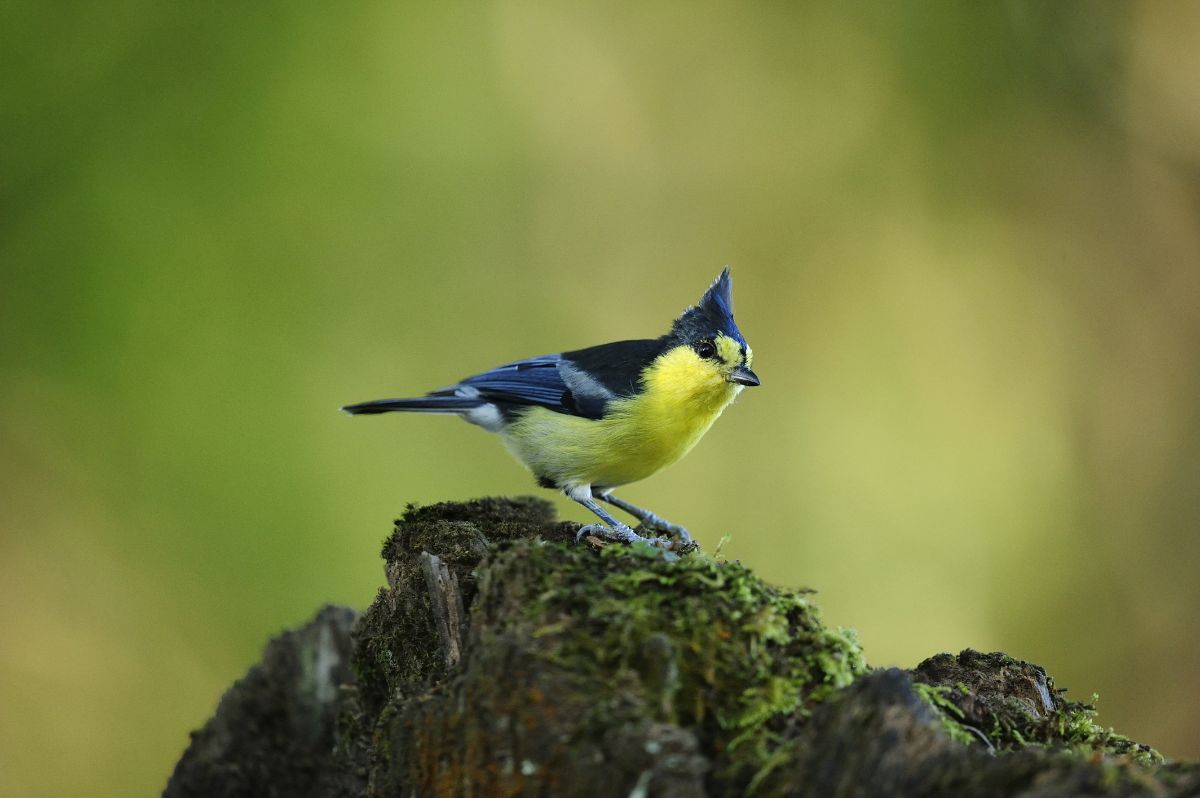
{"x": 591, "y": 420}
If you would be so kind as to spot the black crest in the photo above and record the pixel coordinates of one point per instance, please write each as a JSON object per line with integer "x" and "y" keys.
{"x": 711, "y": 315}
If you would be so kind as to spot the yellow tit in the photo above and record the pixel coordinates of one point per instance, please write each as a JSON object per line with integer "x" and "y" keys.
{"x": 588, "y": 421}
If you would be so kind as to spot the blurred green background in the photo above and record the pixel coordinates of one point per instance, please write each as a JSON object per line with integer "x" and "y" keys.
{"x": 966, "y": 246}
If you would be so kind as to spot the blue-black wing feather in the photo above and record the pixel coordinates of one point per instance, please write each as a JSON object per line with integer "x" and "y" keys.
{"x": 532, "y": 381}
{"x": 579, "y": 383}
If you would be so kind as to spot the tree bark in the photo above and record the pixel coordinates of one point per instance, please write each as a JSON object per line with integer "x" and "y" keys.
{"x": 503, "y": 658}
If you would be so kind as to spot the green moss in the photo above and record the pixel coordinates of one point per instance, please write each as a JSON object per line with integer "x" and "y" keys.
{"x": 488, "y": 513}
{"x": 591, "y": 657}
{"x": 1077, "y": 728}
{"x": 461, "y": 534}
{"x": 698, "y": 642}
{"x": 936, "y": 696}
{"x": 1016, "y": 705}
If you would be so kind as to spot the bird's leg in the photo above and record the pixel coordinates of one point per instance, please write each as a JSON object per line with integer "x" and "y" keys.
{"x": 611, "y": 529}
{"x": 645, "y": 516}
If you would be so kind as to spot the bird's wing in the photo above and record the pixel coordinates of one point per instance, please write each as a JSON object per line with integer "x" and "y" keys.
{"x": 532, "y": 381}
{"x": 579, "y": 383}
{"x": 545, "y": 381}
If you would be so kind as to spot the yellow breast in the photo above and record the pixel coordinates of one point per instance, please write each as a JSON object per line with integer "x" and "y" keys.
{"x": 683, "y": 396}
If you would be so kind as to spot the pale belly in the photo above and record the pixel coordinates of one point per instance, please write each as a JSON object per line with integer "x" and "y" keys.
{"x": 635, "y": 439}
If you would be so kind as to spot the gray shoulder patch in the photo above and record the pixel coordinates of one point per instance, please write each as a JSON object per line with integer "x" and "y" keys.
{"x": 587, "y": 389}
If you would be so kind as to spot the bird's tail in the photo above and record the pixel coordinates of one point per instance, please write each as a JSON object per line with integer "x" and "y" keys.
{"x": 422, "y": 404}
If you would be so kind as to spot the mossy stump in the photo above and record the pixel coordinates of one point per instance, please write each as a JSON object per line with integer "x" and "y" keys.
{"x": 503, "y": 658}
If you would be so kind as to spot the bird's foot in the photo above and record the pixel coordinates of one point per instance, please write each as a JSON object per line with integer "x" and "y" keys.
{"x": 652, "y": 521}
{"x": 679, "y": 545}
{"x": 619, "y": 533}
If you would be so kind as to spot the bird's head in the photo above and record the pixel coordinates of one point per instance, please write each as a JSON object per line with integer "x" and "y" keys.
{"x": 709, "y": 330}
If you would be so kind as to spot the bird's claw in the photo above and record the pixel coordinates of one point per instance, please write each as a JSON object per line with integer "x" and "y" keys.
{"x": 652, "y": 521}
{"x": 621, "y": 534}
{"x": 684, "y": 547}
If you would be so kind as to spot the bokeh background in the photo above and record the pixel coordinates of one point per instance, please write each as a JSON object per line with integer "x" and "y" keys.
{"x": 966, "y": 247}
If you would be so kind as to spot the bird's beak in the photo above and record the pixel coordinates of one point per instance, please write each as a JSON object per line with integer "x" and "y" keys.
{"x": 744, "y": 376}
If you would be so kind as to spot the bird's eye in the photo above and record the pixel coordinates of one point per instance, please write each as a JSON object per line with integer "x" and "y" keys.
{"x": 706, "y": 349}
